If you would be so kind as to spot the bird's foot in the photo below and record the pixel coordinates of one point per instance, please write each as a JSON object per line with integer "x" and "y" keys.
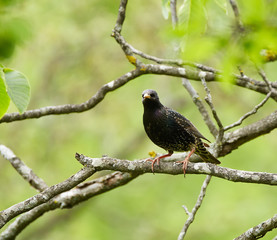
{"x": 185, "y": 164}
{"x": 157, "y": 159}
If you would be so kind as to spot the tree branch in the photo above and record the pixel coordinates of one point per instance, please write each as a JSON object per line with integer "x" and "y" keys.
{"x": 115, "y": 84}
{"x": 174, "y": 168}
{"x": 234, "y": 139}
{"x": 245, "y": 82}
{"x": 30, "y": 203}
{"x": 121, "y": 15}
{"x": 26, "y": 172}
{"x": 191, "y": 215}
{"x": 259, "y": 230}
{"x": 211, "y": 73}
{"x": 174, "y": 17}
{"x": 204, "y": 112}
{"x": 68, "y": 199}
{"x": 235, "y": 8}
{"x": 257, "y": 107}
{"x": 208, "y": 99}
{"x": 246, "y": 115}
{"x": 63, "y": 195}
{"x": 238, "y": 137}
{"x": 74, "y": 108}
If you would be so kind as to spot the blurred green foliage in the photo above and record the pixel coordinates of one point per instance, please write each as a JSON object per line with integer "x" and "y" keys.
{"x": 14, "y": 28}
{"x": 207, "y": 32}
{"x": 69, "y": 56}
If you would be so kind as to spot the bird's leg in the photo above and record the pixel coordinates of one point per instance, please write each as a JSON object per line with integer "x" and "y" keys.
{"x": 185, "y": 162}
{"x": 157, "y": 159}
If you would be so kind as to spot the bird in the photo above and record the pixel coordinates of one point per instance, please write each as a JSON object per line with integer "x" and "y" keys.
{"x": 171, "y": 131}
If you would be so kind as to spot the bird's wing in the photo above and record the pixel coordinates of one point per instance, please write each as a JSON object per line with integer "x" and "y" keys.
{"x": 185, "y": 123}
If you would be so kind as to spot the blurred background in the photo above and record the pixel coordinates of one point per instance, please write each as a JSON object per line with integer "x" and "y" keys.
{"x": 65, "y": 50}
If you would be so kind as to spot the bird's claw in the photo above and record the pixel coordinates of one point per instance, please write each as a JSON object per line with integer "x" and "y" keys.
{"x": 185, "y": 164}
{"x": 153, "y": 162}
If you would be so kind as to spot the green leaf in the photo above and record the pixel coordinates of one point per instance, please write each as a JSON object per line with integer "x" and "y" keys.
{"x": 184, "y": 13}
{"x": 4, "y": 97}
{"x": 18, "y": 88}
{"x": 165, "y": 8}
{"x": 223, "y": 5}
{"x": 198, "y": 17}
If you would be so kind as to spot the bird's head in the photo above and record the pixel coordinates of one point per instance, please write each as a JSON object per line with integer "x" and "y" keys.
{"x": 150, "y": 98}
{"x": 149, "y": 95}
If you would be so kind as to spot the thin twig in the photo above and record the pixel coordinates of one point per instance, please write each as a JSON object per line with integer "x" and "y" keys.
{"x": 186, "y": 210}
{"x": 121, "y": 15}
{"x": 191, "y": 215}
{"x": 263, "y": 75}
{"x": 257, "y": 107}
{"x": 177, "y": 62}
{"x": 245, "y": 134}
{"x": 126, "y": 48}
{"x": 235, "y": 8}
{"x": 253, "y": 111}
{"x": 240, "y": 71}
{"x": 208, "y": 99}
{"x": 174, "y": 17}
{"x": 202, "y": 109}
{"x": 26, "y": 172}
{"x": 259, "y": 230}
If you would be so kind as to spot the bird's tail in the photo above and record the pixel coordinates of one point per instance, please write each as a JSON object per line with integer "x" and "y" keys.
{"x": 204, "y": 153}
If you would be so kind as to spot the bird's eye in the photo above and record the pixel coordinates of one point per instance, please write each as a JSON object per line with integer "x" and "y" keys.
{"x": 152, "y": 95}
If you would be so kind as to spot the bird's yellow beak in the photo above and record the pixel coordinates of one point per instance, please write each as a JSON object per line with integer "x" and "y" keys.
{"x": 146, "y": 95}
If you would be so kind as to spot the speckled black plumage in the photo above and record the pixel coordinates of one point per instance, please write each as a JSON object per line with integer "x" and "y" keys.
{"x": 170, "y": 130}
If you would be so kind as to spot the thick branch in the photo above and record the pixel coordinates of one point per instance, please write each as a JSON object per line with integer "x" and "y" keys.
{"x": 68, "y": 199}
{"x": 259, "y": 230}
{"x": 19, "y": 208}
{"x": 141, "y": 166}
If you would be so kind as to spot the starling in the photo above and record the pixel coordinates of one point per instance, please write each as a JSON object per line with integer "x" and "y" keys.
{"x": 172, "y": 131}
